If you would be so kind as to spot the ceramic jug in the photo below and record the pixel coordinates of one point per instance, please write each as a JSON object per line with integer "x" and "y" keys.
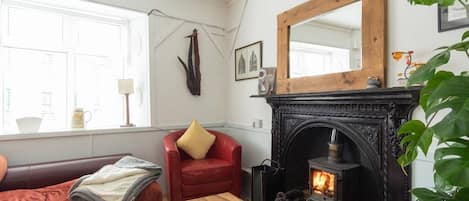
{"x": 78, "y": 118}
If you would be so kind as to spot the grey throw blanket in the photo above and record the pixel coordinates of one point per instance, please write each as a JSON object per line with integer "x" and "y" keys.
{"x": 122, "y": 181}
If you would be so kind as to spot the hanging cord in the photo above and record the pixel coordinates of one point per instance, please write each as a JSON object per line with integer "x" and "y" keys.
{"x": 160, "y": 13}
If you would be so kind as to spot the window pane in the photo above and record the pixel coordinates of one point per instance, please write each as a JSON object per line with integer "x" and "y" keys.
{"x": 98, "y": 38}
{"x": 35, "y": 86}
{"x": 55, "y": 59}
{"x": 96, "y": 90}
{"x": 35, "y": 28}
{"x": 311, "y": 59}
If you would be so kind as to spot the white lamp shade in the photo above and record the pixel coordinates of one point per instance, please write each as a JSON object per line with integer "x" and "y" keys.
{"x": 126, "y": 86}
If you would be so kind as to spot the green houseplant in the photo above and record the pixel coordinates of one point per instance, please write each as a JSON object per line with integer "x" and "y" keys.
{"x": 445, "y": 95}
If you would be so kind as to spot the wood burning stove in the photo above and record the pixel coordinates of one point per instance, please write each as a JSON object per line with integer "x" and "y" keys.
{"x": 331, "y": 179}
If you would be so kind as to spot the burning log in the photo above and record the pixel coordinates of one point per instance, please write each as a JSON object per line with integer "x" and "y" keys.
{"x": 192, "y": 68}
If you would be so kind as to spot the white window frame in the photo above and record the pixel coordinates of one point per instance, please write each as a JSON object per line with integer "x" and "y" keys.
{"x": 72, "y": 53}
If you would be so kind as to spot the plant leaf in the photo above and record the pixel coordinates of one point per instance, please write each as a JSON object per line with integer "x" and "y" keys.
{"x": 454, "y": 125}
{"x": 431, "y": 2}
{"x": 412, "y": 126}
{"x": 442, "y": 48}
{"x": 455, "y": 104}
{"x": 426, "y": 71}
{"x": 452, "y": 164}
{"x": 462, "y": 194}
{"x": 425, "y": 140}
{"x": 424, "y": 194}
{"x": 432, "y": 84}
{"x": 445, "y": 3}
{"x": 461, "y": 46}
{"x": 407, "y": 158}
{"x": 465, "y": 36}
{"x": 456, "y": 86}
{"x": 417, "y": 136}
{"x": 441, "y": 184}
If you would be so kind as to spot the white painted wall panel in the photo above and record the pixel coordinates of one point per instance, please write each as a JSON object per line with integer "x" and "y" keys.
{"x": 47, "y": 149}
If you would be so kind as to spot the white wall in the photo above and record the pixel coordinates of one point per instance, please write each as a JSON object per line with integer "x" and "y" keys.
{"x": 409, "y": 28}
{"x": 172, "y": 104}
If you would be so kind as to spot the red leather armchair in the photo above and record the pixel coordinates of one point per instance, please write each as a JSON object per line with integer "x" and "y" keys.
{"x": 219, "y": 172}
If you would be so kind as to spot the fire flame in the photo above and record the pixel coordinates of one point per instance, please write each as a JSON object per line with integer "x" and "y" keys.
{"x": 323, "y": 183}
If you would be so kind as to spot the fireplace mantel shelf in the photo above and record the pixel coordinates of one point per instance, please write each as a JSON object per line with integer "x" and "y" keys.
{"x": 372, "y": 93}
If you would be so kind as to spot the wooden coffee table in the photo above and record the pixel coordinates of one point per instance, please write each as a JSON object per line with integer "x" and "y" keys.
{"x": 218, "y": 197}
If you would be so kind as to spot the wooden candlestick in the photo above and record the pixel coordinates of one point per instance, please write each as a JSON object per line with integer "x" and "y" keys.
{"x": 127, "y": 110}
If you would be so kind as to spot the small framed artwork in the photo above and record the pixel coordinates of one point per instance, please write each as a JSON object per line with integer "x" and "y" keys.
{"x": 452, "y": 17}
{"x": 248, "y": 61}
{"x": 266, "y": 81}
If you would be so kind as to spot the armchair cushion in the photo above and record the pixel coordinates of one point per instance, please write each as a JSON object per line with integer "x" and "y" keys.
{"x": 196, "y": 141}
{"x": 194, "y": 171}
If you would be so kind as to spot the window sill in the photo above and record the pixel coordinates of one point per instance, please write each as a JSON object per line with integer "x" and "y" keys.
{"x": 74, "y": 133}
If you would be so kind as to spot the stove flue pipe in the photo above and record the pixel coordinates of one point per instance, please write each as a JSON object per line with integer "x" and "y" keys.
{"x": 335, "y": 148}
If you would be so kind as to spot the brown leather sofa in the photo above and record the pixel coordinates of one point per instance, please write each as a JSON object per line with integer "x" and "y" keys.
{"x": 57, "y": 177}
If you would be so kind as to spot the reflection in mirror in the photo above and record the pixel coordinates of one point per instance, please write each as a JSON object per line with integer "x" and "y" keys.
{"x": 329, "y": 43}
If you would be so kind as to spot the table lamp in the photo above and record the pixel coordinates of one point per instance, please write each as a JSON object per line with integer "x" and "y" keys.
{"x": 126, "y": 87}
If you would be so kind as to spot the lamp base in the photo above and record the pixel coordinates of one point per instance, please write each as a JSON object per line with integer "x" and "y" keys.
{"x": 128, "y": 126}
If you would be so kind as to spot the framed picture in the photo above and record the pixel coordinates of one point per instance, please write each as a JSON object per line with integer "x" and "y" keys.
{"x": 452, "y": 17}
{"x": 248, "y": 61}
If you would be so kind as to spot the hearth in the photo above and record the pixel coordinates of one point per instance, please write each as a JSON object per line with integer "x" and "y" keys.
{"x": 367, "y": 121}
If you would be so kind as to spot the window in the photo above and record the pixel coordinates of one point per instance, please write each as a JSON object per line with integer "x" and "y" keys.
{"x": 57, "y": 56}
{"x": 310, "y": 59}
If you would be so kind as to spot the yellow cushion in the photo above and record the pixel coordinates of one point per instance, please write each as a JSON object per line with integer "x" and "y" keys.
{"x": 196, "y": 141}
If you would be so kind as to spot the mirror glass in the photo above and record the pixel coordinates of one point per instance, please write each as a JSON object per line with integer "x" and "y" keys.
{"x": 329, "y": 43}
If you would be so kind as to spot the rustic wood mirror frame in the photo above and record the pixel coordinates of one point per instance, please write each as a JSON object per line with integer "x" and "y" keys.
{"x": 373, "y": 48}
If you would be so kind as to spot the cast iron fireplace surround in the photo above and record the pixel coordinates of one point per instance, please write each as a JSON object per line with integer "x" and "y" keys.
{"x": 369, "y": 119}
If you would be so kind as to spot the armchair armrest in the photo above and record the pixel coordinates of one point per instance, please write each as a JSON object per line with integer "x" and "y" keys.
{"x": 226, "y": 148}
{"x": 173, "y": 165}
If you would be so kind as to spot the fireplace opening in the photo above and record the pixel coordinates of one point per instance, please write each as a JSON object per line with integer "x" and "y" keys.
{"x": 329, "y": 166}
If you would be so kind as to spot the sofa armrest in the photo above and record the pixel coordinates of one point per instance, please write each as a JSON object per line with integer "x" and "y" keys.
{"x": 40, "y": 175}
{"x": 3, "y": 167}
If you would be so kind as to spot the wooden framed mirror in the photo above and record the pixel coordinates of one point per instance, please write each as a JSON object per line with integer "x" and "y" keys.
{"x": 326, "y": 45}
